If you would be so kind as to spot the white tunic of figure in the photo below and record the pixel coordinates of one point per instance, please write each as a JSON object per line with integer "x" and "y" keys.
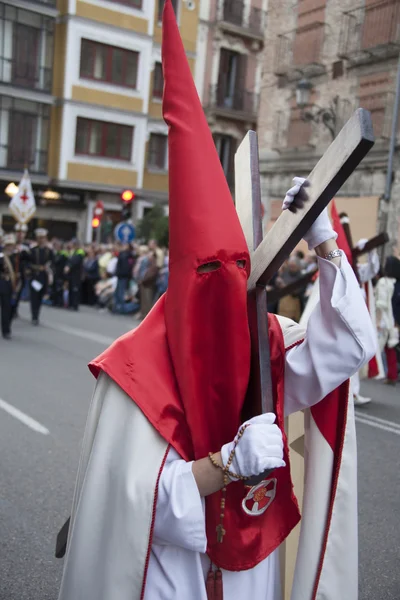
{"x": 339, "y": 340}
{"x": 107, "y": 552}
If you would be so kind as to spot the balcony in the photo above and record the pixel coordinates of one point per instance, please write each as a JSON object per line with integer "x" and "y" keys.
{"x": 298, "y": 52}
{"x": 25, "y": 135}
{"x": 234, "y": 16}
{"x": 242, "y": 105}
{"x": 25, "y": 75}
{"x": 371, "y": 33}
{"x": 26, "y": 51}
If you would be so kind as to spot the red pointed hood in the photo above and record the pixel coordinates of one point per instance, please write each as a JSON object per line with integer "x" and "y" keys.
{"x": 205, "y": 314}
{"x": 202, "y": 216}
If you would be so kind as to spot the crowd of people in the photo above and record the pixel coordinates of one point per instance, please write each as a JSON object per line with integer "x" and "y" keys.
{"x": 123, "y": 278}
{"x": 128, "y": 278}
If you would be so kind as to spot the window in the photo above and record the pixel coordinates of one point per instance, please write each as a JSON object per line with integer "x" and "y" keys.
{"x": 26, "y": 43}
{"x": 26, "y": 53}
{"x": 22, "y": 139}
{"x": 109, "y": 63}
{"x": 231, "y": 79}
{"x": 25, "y": 134}
{"x": 161, "y": 7}
{"x": 158, "y": 149}
{"x": 100, "y": 138}
{"x": 226, "y": 148}
{"x": 158, "y": 82}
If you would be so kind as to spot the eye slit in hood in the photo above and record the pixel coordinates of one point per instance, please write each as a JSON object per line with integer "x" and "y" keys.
{"x": 241, "y": 263}
{"x": 208, "y": 267}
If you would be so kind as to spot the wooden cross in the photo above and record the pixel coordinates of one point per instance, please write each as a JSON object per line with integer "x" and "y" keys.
{"x": 267, "y": 254}
{"x": 376, "y": 242}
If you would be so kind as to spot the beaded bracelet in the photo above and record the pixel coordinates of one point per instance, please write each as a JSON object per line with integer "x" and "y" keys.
{"x": 227, "y": 474}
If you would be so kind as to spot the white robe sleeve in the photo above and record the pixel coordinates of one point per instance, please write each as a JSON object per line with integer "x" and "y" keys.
{"x": 180, "y": 516}
{"x": 338, "y": 341}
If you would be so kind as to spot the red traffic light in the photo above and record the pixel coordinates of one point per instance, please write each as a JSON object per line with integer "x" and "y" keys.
{"x": 128, "y": 195}
{"x": 95, "y": 223}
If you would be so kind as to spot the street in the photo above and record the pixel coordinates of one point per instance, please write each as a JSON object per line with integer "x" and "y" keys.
{"x": 44, "y": 375}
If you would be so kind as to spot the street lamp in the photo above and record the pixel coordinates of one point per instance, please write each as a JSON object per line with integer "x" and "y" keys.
{"x": 327, "y": 116}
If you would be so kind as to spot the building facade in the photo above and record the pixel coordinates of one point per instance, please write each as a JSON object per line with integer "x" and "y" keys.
{"x": 105, "y": 131}
{"x": 348, "y": 54}
{"x": 229, "y": 70}
{"x": 27, "y": 31}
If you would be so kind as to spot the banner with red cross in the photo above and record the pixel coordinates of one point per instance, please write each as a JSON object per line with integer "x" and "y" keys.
{"x": 23, "y": 205}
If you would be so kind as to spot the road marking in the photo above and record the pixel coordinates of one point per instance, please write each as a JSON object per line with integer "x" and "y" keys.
{"x": 25, "y": 419}
{"x": 378, "y": 423}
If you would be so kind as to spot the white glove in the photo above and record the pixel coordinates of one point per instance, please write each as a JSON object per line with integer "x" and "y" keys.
{"x": 260, "y": 447}
{"x": 361, "y": 243}
{"x": 321, "y": 230}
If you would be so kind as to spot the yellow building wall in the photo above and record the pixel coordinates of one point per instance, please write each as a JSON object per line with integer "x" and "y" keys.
{"x": 60, "y": 49}
{"x": 158, "y": 182}
{"x": 106, "y": 176}
{"x": 90, "y": 96}
{"x": 62, "y": 6}
{"x": 55, "y": 141}
{"x": 111, "y": 17}
{"x": 188, "y": 22}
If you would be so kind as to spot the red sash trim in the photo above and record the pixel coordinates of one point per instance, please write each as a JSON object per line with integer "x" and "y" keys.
{"x": 338, "y": 452}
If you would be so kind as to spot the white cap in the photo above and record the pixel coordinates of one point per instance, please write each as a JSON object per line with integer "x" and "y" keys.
{"x": 41, "y": 232}
{"x": 9, "y": 239}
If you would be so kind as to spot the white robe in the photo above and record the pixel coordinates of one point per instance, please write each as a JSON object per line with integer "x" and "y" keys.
{"x": 115, "y": 511}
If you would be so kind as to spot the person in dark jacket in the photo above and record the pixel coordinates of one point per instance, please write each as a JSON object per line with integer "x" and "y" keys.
{"x": 392, "y": 269}
{"x": 41, "y": 259}
{"x": 20, "y": 259}
{"x": 73, "y": 270}
{"x": 7, "y": 284}
{"x": 59, "y": 264}
{"x": 123, "y": 271}
{"x": 91, "y": 276}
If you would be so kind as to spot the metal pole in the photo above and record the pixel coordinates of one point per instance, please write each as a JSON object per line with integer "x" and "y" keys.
{"x": 392, "y": 147}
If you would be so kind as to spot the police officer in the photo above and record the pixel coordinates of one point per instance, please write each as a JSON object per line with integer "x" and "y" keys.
{"x": 60, "y": 262}
{"x": 7, "y": 284}
{"x": 20, "y": 260}
{"x": 41, "y": 258}
{"x": 74, "y": 273}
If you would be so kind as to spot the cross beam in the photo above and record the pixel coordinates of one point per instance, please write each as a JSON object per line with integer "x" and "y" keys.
{"x": 333, "y": 169}
{"x": 376, "y": 242}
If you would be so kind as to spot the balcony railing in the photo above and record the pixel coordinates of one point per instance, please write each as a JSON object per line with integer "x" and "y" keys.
{"x": 235, "y": 16}
{"x": 371, "y": 32}
{"x": 17, "y": 159}
{"x": 241, "y": 105}
{"x": 25, "y": 75}
{"x": 300, "y": 50}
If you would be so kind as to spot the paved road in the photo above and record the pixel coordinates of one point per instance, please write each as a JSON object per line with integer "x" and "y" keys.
{"x": 43, "y": 374}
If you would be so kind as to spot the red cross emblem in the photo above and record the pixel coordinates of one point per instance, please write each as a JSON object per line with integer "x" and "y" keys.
{"x": 259, "y": 498}
{"x": 24, "y": 197}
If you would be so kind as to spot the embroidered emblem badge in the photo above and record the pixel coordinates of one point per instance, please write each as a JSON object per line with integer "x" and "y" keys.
{"x": 259, "y": 498}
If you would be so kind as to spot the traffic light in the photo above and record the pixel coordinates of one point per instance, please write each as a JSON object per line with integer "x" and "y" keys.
{"x": 127, "y": 197}
{"x": 95, "y": 222}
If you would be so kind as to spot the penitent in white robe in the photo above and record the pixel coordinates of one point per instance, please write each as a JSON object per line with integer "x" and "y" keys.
{"x": 127, "y": 542}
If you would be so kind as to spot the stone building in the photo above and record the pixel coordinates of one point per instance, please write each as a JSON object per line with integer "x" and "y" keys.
{"x": 228, "y": 70}
{"x": 347, "y": 55}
